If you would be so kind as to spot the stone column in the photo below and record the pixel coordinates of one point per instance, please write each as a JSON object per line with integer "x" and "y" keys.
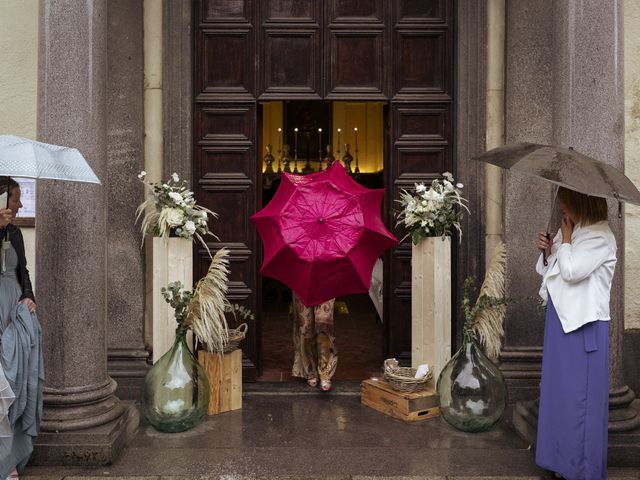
{"x": 125, "y": 257}
{"x": 83, "y": 422}
{"x": 528, "y": 118}
{"x": 588, "y": 114}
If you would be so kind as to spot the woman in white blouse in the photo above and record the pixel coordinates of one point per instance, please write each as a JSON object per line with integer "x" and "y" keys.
{"x": 574, "y": 391}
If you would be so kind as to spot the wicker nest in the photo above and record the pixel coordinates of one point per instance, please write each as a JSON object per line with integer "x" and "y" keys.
{"x": 402, "y": 379}
{"x": 235, "y": 337}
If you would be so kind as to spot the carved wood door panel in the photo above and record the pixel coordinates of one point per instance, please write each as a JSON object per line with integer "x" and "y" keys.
{"x": 421, "y": 136}
{"x": 225, "y": 169}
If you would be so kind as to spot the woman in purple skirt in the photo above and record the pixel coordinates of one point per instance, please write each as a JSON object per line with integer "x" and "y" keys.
{"x": 574, "y": 392}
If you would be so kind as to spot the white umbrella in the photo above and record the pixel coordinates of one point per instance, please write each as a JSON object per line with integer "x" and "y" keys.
{"x": 21, "y": 157}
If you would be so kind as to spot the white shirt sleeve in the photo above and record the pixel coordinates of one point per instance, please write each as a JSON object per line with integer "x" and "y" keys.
{"x": 577, "y": 261}
{"x": 540, "y": 267}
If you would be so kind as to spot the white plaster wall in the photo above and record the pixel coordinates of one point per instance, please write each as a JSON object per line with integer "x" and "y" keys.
{"x": 632, "y": 158}
{"x": 19, "y": 81}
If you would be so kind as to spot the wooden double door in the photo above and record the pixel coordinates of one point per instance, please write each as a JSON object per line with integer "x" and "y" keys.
{"x": 397, "y": 51}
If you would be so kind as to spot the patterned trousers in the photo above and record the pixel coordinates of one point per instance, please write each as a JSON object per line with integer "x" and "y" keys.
{"x": 316, "y": 355}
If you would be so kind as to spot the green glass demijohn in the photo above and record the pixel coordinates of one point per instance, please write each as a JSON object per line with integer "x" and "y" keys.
{"x": 473, "y": 394}
{"x": 175, "y": 394}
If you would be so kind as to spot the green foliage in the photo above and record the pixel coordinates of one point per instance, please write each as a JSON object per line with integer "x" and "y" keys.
{"x": 175, "y": 295}
{"x": 471, "y": 310}
{"x": 239, "y": 310}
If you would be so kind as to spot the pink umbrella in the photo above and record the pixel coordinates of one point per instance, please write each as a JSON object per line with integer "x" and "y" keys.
{"x": 322, "y": 234}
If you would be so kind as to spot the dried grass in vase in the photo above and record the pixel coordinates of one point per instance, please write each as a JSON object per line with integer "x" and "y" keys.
{"x": 486, "y": 317}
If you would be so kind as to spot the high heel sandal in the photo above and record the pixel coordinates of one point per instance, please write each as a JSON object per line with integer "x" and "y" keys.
{"x": 312, "y": 382}
{"x": 325, "y": 385}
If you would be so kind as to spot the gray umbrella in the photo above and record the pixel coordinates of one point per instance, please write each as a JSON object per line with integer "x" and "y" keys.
{"x": 565, "y": 167}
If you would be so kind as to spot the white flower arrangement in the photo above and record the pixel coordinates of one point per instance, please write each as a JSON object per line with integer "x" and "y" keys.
{"x": 431, "y": 211}
{"x": 171, "y": 209}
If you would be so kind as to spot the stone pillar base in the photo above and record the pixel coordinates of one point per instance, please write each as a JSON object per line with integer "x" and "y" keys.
{"x": 87, "y": 447}
{"x": 521, "y": 368}
{"x": 624, "y": 446}
{"x": 128, "y": 367}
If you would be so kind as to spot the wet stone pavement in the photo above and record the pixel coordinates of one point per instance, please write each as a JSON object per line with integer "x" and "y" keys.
{"x": 292, "y": 433}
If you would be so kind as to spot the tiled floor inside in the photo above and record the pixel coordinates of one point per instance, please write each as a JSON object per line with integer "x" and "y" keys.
{"x": 358, "y": 331}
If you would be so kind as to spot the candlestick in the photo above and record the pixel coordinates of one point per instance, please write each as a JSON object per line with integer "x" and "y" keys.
{"x": 357, "y": 167}
{"x": 268, "y": 160}
{"x": 319, "y": 149}
{"x": 279, "y": 150}
{"x": 295, "y": 150}
{"x": 338, "y": 151}
{"x": 279, "y": 140}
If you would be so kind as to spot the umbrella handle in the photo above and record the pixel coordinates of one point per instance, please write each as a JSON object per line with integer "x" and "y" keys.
{"x": 8, "y": 183}
{"x": 544, "y": 252}
{"x": 617, "y": 197}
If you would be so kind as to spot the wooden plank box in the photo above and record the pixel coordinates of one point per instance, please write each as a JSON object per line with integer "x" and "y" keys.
{"x": 406, "y": 406}
{"x": 225, "y": 380}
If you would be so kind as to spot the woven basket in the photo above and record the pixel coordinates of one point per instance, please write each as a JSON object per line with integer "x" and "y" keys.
{"x": 402, "y": 379}
{"x": 235, "y": 337}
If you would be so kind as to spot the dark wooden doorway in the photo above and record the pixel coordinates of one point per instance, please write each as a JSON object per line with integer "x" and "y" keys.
{"x": 398, "y": 51}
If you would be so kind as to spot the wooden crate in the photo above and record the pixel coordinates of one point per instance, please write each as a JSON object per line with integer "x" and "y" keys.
{"x": 225, "y": 380}
{"x": 406, "y": 406}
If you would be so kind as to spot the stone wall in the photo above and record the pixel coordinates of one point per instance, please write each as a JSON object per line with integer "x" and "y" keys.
{"x": 19, "y": 83}
{"x": 632, "y": 212}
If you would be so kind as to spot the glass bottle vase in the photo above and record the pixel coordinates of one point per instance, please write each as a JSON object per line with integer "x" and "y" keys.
{"x": 473, "y": 394}
{"x": 175, "y": 393}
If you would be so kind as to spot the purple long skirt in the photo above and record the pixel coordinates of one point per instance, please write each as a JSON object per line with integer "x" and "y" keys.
{"x": 574, "y": 400}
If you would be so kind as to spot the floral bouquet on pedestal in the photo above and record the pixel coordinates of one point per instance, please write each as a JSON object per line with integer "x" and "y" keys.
{"x": 431, "y": 211}
{"x": 170, "y": 209}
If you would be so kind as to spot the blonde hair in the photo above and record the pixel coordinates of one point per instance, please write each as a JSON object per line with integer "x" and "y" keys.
{"x": 587, "y": 209}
